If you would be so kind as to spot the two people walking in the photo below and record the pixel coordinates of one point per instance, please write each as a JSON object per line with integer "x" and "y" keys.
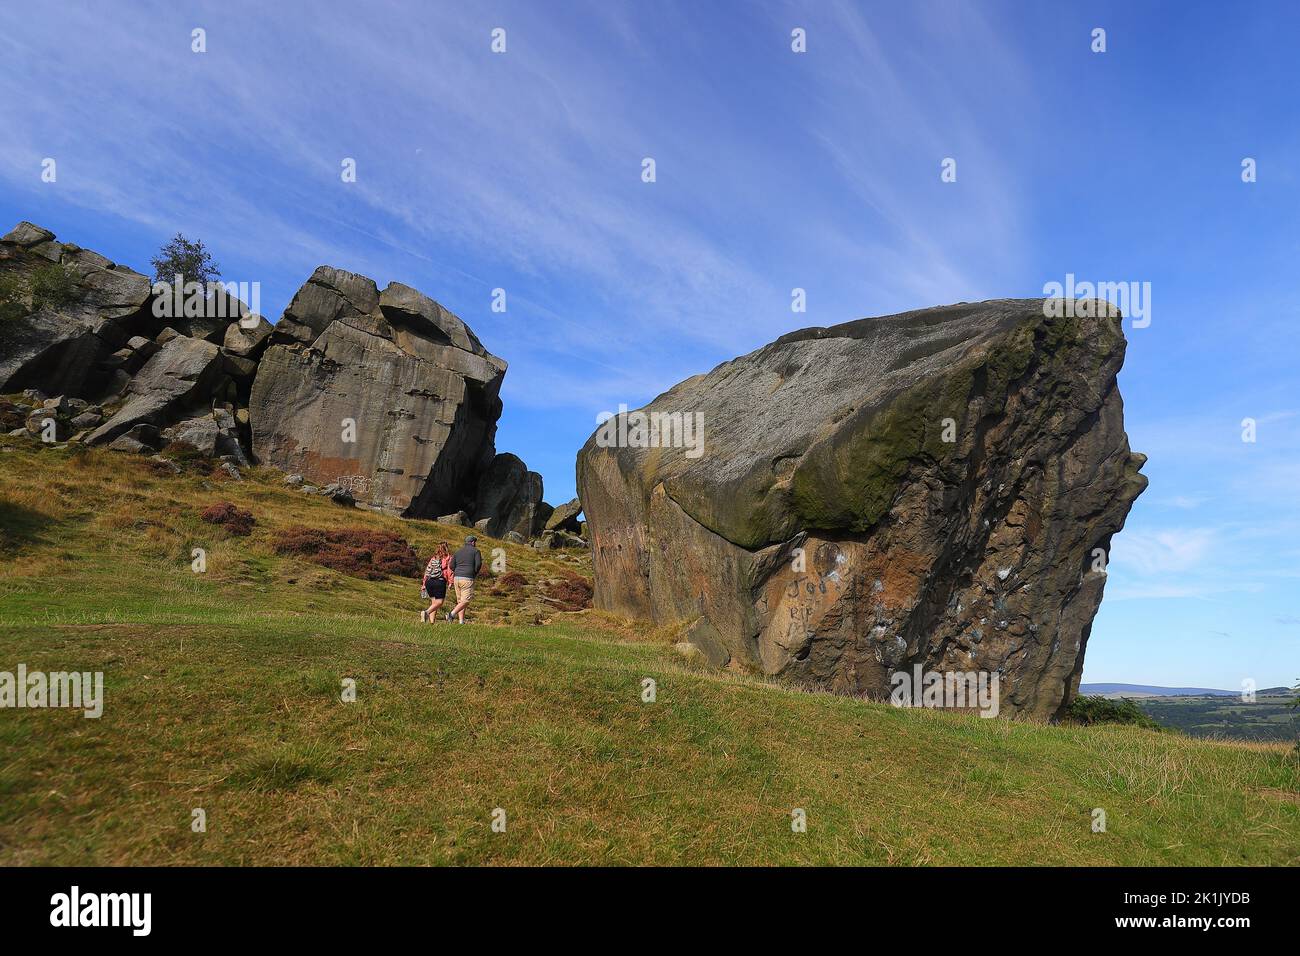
{"x": 460, "y": 569}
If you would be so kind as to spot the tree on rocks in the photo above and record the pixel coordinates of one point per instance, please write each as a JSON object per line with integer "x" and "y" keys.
{"x": 191, "y": 260}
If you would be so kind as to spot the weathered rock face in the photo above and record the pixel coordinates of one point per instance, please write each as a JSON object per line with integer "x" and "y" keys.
{"x": 387, "y": 392}
{"x": 245, "y": 342}
{"x": 509, "y": 499}
{"x": 176, "y": 381}
{"x": 64, "y": 347}
{"x": 925, "y": 488}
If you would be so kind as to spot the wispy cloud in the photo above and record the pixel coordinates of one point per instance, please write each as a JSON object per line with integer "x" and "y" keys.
{"x": 523, "y": 170}
{"x": 1172, "y": 551}
{"x": 1182, "y": 502}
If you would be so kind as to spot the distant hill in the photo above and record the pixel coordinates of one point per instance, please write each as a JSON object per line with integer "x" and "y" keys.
{"x": 1151, "y": 690}
{"x": 1206, "y": 712}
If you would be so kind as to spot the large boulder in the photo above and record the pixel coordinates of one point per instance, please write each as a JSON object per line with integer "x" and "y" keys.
{"x": 385, "y": 393}
{"x": 509, "y": 498}
{"x": 565, "y": 517}
{"x": 329, "y": 295}
{"x": 927, "y": 489}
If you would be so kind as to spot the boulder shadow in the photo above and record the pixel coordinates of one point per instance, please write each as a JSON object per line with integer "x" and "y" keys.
{"x": 21, "y": 527}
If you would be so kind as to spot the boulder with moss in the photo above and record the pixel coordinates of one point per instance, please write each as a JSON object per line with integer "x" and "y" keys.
{"x": 936, "y": 488}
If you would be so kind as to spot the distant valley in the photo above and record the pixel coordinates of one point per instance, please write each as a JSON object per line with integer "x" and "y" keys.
{"x": 1207, "y": 712}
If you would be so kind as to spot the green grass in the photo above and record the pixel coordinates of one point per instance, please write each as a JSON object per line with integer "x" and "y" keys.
{"x": 222, "y": 692}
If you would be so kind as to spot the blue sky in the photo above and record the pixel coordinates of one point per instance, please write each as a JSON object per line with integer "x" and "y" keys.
{"x": 774, "y": 170}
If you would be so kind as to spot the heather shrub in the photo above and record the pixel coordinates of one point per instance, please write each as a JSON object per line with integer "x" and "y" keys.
{"x": 233, "y": 519}
{"x": 360, "y": 552}
{"x": 571, "y": 593}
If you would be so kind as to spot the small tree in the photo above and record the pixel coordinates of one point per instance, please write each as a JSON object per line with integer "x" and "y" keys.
{"x": 191, "y": 260}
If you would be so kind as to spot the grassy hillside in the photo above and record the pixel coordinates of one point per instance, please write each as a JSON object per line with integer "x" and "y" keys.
{"x": 223, "y": 693}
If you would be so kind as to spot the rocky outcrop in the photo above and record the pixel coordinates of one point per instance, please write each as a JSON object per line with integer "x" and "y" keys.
{"x": 387, "y": 392}
{"x": 558, "y": 539}
{"x": 933, "y": 488}
{"x": 83, "y": 327}
{"x": 62, "y": 342}
{"x": 385, "y": 397}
